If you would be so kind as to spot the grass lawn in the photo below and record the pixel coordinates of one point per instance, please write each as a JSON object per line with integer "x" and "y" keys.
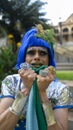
{"x": 64, "y": 75}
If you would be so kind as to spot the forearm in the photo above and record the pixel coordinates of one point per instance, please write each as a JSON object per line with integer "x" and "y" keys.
{"x": 55, "y": 127}
{"x": 53, "y": 123}
{"x": 8, "y": 120}
{"x": 10, "y": 116}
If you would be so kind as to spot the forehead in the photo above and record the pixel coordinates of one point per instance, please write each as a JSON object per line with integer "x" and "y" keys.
{"x": 37, "y": 48}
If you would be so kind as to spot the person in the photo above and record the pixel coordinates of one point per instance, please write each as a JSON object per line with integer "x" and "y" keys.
{"x": 26, "y": 107}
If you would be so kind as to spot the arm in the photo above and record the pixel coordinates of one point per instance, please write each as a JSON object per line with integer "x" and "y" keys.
{"x": 10, "y": 110}
{"x": 62, "y": 118}
{"x": 7, "y": 119}
{"x": 60, "y": 115}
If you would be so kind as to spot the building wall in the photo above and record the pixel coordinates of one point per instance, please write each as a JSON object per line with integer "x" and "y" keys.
{"x": 64, "y": 31}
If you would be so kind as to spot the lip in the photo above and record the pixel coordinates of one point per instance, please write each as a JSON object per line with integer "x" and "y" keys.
{"x": 37, "y": 65}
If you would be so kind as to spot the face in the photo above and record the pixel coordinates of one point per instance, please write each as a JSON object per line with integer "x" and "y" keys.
{"x": 37, "y": 56}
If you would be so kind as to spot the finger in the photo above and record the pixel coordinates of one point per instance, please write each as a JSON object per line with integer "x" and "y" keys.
{"x": 25, "y": 91}
{"x": 25, "y": 73}
{"x": 52, "y": 69}
{"x": 32, "y": 76}
{"x": 43, "y": 73}
{"x": 24, "y": 66}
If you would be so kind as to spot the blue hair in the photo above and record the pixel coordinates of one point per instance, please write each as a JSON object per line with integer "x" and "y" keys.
{"x": 29, "y": 40}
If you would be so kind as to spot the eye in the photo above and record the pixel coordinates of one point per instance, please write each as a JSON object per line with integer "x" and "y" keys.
{"x": 30, "y": 52}
{"x": 43, "y": 53}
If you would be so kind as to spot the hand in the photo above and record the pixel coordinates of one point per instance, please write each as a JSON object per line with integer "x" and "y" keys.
{"x": 44, "y": 81}
{"x": 27, "y": 76}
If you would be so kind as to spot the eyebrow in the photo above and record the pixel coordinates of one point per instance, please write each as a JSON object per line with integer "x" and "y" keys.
{"x": 39, "y": 49}
{"x": 42, "y": 49}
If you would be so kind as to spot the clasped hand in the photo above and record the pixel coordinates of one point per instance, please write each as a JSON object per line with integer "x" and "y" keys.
{"x": 28, "y": 76}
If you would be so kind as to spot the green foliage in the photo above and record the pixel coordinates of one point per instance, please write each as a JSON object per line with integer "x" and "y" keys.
{"x": 7, "y": 62}
{"x": 20, "y": 15}
{"x": 64, "y": 75}
{"x": 25, "y": 11}
{"x": 47, "y": 34}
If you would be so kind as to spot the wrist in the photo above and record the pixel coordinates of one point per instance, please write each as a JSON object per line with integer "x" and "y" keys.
{"x": 49, "y": 115}
{"x": 25, "y": 91}
{"x": 43, "y": 97}
{"x": 18, "y": 104}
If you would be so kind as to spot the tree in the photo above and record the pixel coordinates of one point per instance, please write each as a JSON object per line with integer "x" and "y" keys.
{"x": 19, "y": 15}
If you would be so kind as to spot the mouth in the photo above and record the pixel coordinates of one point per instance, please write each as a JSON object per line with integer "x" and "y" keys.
{"x": 36, "y": 65}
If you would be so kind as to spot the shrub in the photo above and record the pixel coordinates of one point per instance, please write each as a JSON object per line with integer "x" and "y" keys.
{"x": 7, "y": 62}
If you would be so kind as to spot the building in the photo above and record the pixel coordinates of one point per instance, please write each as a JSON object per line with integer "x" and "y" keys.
{"x": 64, "y": 40}
{"x": 64, "y": 31}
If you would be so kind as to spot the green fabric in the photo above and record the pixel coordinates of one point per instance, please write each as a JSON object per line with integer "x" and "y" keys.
{"x": 38, "y": 106}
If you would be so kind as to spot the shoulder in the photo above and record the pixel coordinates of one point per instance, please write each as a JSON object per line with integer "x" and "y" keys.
{"x": 10, "y": 82}
{"x": 11, "y": 79}
{"x": 59, "y": 92}
{"x": 56, "y": 87}
{"x": 12, "y": 76}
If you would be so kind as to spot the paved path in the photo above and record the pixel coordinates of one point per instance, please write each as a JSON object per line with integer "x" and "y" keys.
{"x": 70, "y": 114}
{"x": 68, "y": 82}
{"x": 70, "y": 125}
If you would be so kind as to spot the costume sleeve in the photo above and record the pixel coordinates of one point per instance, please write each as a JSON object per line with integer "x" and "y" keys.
{"x": 62, "y": 100}
{"x": 6, "y": 87}
{"x": 60, "y": 95}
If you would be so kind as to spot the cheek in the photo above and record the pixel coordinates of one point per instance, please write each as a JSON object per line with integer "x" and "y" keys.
{"x": 46, "y": 61}
{"x": 27, "y": 59}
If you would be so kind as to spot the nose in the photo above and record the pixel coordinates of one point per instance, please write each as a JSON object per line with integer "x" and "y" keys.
{"x": 36, "y": 56}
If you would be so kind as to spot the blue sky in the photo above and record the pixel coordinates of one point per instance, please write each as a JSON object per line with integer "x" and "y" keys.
{"x": 56, "y": 9}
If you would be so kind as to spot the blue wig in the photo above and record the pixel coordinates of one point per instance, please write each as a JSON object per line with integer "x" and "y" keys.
{"x": 29, "y": 40}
